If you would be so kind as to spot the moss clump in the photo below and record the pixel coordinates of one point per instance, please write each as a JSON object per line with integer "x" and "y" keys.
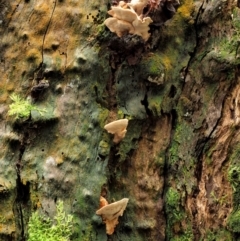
{"x": 173, "y": 157}
{"x": 154, "y": 104}
{"x": 88, "y": 233}
{"x": 102, "y": 116}
{"x": 103, "y": 148}
{"x": 153, "y": 65}
{"x": 175, "y": 216}
{"x": 172, "y": 199}
{"x": 221, "y": 235}
{"x": 229, "y": 45}
{"x": 234, "y": 176}
{"x": 159, "y": 160}
{"x": 42, "y": 229}
{"x": 187, "y": 235}
{"x": 21, "y": 108}
{"x": 172, "y": 206}
{"x": 233, "y": 222}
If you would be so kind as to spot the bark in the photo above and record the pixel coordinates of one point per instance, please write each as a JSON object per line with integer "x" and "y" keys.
{"x": 179, "y": 161}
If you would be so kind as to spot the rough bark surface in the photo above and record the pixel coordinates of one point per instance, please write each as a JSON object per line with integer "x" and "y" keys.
{"x": 179, "y": 161}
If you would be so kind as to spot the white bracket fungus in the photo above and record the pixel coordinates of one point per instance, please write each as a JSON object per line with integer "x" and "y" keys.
{"x": 118, "y": 128}
{"x": 126, "y": 18}
{"x": 111, "y": 212}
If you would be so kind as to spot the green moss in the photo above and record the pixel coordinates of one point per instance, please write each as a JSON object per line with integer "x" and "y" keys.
{"x": 120, "y": 114}
{"x": 102, "y": 34}
{"x": 234, "y": 176}
{"x": 209, "y": 150}
{"x": 41, "y": 228}
{"x": 219, "y": 235}
{"x": 229, "y": 45}
{"x": 103, "y": 148}
{"x": 21, "y": 108}
{"x": 181, "y": 143}
{"x": 181, "y": 21}
{"x": 234, "y": 173}
{"x": 187, "y": 235}
{"x": 175, "y": 215}
{"x": 87, "y": 236}
{"x": 159, "y": 160}
{"x": 153, "y": 65}
{"x": 181, "y": 156}
{"x": 172, "y": 199}
{"x": 173, "y": 151}
{"x": 102, "y": 116}
{"x": 154, "y": 104}
{"x": 233, "y": 221}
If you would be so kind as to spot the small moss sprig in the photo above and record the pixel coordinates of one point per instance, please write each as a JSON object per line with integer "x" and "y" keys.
{"x": 44, "y": 229}
{"x": 21, "y": 108}
{"x": 234, "y": 177}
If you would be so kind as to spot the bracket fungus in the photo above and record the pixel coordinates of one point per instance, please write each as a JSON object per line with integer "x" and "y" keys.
{"x": 118, "y": 128}
{"x": 138, "y": 5}
{"x": 103, "y": 202}
{"x": 111, "y": 212}
{"x": 127, "y": 18}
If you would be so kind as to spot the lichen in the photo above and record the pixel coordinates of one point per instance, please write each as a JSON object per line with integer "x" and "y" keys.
{"x": 186, "y": 9}
{"x": 153, "y": 65}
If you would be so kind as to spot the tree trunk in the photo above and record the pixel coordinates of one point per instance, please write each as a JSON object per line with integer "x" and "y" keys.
{"x": 179, "y": 161}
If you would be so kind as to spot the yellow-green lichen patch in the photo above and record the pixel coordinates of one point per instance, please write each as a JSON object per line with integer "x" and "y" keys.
{"x": 103, "y": 148}
{"x": 34, "y": 55}
{"x": 153, "y": 65}
{"x": 178, "y": 32}
{"x": 154, "y": 104}
{"x": 102, "y": 117}
{"x": 186, "y": 10}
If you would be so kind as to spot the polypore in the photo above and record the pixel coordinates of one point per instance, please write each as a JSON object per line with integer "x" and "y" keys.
{"x": 119, "y": 27}
{"x": 141, "y": 27}
{"x": 127, "y": 19}
{"x": 118, "y": 128}
{"x": 138, "y": 5}
{"x": 111, "y": 212}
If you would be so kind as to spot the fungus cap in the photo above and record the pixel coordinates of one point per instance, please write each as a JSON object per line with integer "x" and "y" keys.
{"x": 123, "y": 14}
{"x": 138, "y": 5}
{"x": 142, "y": 27}
{"x": 111, "y": 212}
{"x": 118, "y": 128}
{"x": 103, "y": 202}
{"x": 118, "y": 26}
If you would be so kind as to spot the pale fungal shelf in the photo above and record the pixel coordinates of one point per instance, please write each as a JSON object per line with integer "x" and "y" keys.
{"x": 127, "y": 18}
{"x": 118, "y": 128}
{"x": 111, "y": 212}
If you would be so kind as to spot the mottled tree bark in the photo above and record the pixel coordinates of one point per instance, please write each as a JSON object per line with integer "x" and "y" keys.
{"x": 179, "y": 161}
